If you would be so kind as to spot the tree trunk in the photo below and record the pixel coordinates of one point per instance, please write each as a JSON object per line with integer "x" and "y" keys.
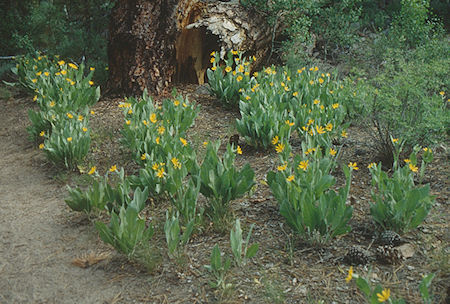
{"x": 155, "y": 43}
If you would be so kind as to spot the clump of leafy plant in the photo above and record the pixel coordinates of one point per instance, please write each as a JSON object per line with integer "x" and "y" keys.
{"x": 219, "y": 267}
{"x": 240, "y": 247}
{"x": 311, "y": 208}
{"x": 176, "y": 240}
{"x": 126, "y": 231}
{"x": 222, "y": 182}
{"x": 398, "y": 204}
{"x": 228, "y": 80}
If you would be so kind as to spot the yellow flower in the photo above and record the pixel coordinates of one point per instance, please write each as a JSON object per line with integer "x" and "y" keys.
{"x": 234, "y": 73}
{"x": 331, "y": 91}
{"x": 255, "y": 74}
{"x": 241, "y": 68}
{"x": 295, "y": 94}
{"x": 183, "y": 141}
{"x": 176, "y": 163}
{"x": 143, "y": 157}
{"x": 320, "y": 80}
{"x": 63, "y": 72}
{"x": 113, "y": 168}
{"x": 395, "y": 140}
{"x": 332, "y": 152}
{"x": 344, "y": 133}
{"x": 311, "y": 68}
{"x": 34, "y": 80}
{"x": 184, "y": 105}
{"x": 353, "y": 166}
{"x": 320, "y": 129}
{"x": 238, "y": 150}
{"x": 91, "y": 82}
{"x": 39, "y": 73}
{"x": 92, "y": 112}
{"x": 161, "y": 130}
{"x": 92, "y": 171}
{"x": 41, "y": 146}
{"x": 310, "y": 122}
{"x": 275, "y": 140}
{"x": 35, "y": 98}
{"x": 350, "y": 274}
{"x": 145, "y": 122}
{"x": 282, "y": 84}
{"x": 286, "y": 89}
{"x": 283, "y": 167}
{"x": 384, "y": 295}
{"x": 311, "y": 82}
{"x": 61, "y": 62}
{"x": 69, "y": 115}
{"x": 234, "y": 52}
{"x": 214, "y": 68}
{"x": 46, "y": 73}
{"x": 239, "y": 78}
{"x": 212, "y": 53}
{"x": 58, "y": 73}
{"x": 80, "y": 117}
{"x": 205, "y": 143}
{"x": 322, "y": 107}
{"x": 42, "y": 133}
{"x": 271, "y": 83}
{"x": 279, "y": 148}
{"x": 155, "y": 166}
{"x": 157, "y": 140}
{"x": 128, "y": 122}
{"x": 316, "y": 69}
{"x": 176, "y": 102}
{"x": 427, "y": 150}
{"x": 371, "y": 165}
{"x": 335, "y": 105}
{"x": 160, "y": 173}
{"x": 73, "y": 66}
{"x": 303, "y": 165}
{"x": 228, "y": 69}
{"x": 84, "y": 129}
{"x": 92, "y": 68}
{"x": 69, "y": 139}
{"x": 413, "y": 168}
{"x": 212, "y": 60}
{"x": 329, "y": 127}
{"x": 406, "y": 160}
{"x": 290, "y": 178}
{"x": 442, "y": 93}
{"x": 290, "y": 124}
{"x": 153, "y": 118}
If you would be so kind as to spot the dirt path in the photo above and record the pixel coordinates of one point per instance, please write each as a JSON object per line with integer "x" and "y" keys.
{"x": 38, "y": 237}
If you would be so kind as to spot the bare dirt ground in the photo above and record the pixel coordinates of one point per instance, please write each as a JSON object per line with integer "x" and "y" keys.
{"x": 49, "y": 254}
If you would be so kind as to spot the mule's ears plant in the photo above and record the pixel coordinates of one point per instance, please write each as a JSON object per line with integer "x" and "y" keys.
{"x": 218, "y": 267}
{"x": 222, "y": 182}
{"x": 176, "y": 240}
{"x": 240, "y": 247}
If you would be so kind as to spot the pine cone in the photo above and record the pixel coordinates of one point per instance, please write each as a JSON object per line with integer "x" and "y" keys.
{"x": 357, "y": 256}
{"x": 390, "y": 238}
{"x": 388, "y": 255}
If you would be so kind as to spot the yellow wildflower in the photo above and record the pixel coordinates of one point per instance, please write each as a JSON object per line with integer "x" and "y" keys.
{"x": 234, "y": 73}
{"x": 442, "y": 93}
{"x": 238, "y": 150}
{"x": 39, "y": 73}
{"x": 161, "y": 130}
{"x": 69, "y": 139}
{"x": 371, "y": 165}
{"x": 113, "y": 168}
{"x": 80, "y": 117}
{"x": 42, "y": 133}
{"x": 344, "y": 133}
{"x": 155, "y": 166}
{"x": 212, "y": 60}
{"x": 395, "y": 140}
{"x": 290, "y": 124}
{"x": 73, "y": 66}
{"x": 92, "y": 68}
{"x": 247, "y": 97}
{"x": 316, "y": 101}
{"x": 52, "y": 104}
{"x": 350, "y": 274}
{"x": 335, "y": 105}
{"x": 41, "y": 146}
{"x": 34, "y": 80}
{"x": 145, "y": 122}
{"x": 239, "y": 78}
{"x": 320, "y": 129}
{"x": 214, "y": 68}
{"x": 228, "y": 69}
{"x": 212, "y": 53}
{"x": 320, "y": 80}
{"x": 153, "y": 118}
{"x": 70, "y": 116}
{"x": 290, "y": 178}
{"x": 406, "y": 160}
{"x": 157, "y": 140}
{"x": 143, "y": 156}
{"x": 176, "y": 102}
{"x": 384, "y": 295}
{"x": 311, "y": 82}
{"x": 92, "y": 112}
{"x": 91, "y": 82}
{"x": 205, "y": 143}
{"x": 176, "y": 163}
{"x": 183, "y": 141}
{"x": 35, "y": 98}
{"x": 316, "y": 69}
{"x": 128, "y": 122}
{"x": 332, "y": 152}
{"x": 92, "y": 171}
{"x": 353, "y": 166}
{"x": 329, "y": 127}
{"x": 275, "y": 140}
{"x": 241, "y": 68}
{"x": 310, "y": 122}
{"x": 279, "y": 148}
{"x": 84, "y": 129}
{"x": 63, "y": 72}
{"x": 295, "y": 94}
{"x": 46, "y": 73}
{"x": 413, "y": 168}
{"x": 283, "y": 167}
{"x": 160, "y": 173}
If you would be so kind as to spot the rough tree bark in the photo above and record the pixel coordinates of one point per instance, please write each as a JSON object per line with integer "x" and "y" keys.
{"x": 156, "y": 43}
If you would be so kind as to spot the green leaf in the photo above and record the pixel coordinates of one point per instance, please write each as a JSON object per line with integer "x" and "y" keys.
{"x": 252, "y": 250}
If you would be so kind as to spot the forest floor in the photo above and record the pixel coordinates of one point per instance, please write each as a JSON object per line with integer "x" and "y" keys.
{"x": 50, "y": 254}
